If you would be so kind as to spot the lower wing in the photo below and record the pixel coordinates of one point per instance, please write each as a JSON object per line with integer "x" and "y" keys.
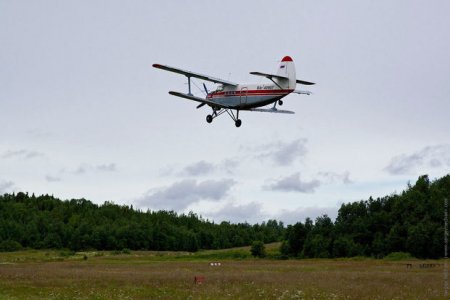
{"x": 204, "y": 101}
{"x": 198, "y": 99}
{"x": 272, "y": 110}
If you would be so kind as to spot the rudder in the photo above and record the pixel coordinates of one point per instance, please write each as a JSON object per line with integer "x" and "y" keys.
{"x": 287, "y": 69}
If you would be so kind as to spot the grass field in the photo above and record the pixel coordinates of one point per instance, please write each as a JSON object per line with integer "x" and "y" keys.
{"x": 170, "y": 275}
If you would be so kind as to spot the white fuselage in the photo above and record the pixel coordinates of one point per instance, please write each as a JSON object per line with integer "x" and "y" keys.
{"x": 246, "y": 96}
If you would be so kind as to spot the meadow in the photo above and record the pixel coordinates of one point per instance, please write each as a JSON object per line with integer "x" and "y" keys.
{"x": 170, "y": 275}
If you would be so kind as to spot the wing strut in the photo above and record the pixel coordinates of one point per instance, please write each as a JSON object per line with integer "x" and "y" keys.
{"x": 189, "y": 85}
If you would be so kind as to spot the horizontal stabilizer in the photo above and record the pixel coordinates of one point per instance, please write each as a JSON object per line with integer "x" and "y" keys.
{"x": 270, "y": 76}
{"x": 196, "y": 75}
{"x": 304, "y": 82}
{"x": 272, "y": 110}
{"x": 302, "y": 92}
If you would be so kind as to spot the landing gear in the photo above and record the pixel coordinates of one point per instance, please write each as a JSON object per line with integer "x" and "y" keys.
{"x": 218, "y": 112}
{"x": 280, "y": 102}
{"x": 236, "y": 119}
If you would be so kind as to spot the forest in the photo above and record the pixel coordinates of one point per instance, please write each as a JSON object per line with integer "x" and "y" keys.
{"x": 46, "y": 222}
{"x": 411, "y": 221}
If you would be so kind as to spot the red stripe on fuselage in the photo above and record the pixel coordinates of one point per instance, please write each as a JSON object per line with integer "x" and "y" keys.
{"x": 250, "y": 93}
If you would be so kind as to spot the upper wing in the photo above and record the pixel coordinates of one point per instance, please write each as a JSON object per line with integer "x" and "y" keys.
{"x": 192, "y": 74}
{"x": 270, "y": 76}
{"x": 204, "y": 101}
{"x": 272, "y": 110}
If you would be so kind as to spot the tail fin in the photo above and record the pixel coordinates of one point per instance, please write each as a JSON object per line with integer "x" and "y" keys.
{"x": 287, "y": 69}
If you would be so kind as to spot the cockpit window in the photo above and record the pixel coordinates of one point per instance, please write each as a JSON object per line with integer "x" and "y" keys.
{"x": 219, "y": 88}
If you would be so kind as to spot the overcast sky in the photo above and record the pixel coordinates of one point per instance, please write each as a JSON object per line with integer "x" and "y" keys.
{"x": 83, "y": 113}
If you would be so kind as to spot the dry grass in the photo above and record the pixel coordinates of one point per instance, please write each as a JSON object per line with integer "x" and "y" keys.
{"x": 149, "y": 275}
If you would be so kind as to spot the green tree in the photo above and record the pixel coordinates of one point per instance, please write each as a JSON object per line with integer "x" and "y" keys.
{"x": 296, "y": 236}
{"x": 317, "y": 246}
{"x": 285, "y": 249}
{"x": 258, "y": 249}
{"x": 9, "y": 246}
{"x": 418, "y": 240}
{"x": 344, "y": 246}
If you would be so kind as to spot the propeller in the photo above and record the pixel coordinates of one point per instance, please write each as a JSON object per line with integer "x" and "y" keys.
{"x": 206, "y": 91}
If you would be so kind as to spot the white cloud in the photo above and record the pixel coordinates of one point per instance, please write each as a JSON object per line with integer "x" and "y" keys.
{"x": 199, "y": 168}
{"x": 50, "y": 178}
{"x": 331, "y": 177}
{"x": 22, "y": 153}
{"x": 80, "y": 170}
{"x": 293, "y": 183}
{"x": 202, "y": 168}
{"x": 167, "y": 170}
{"x": 301, "y": 213}
{"x": 106, "y": 167}
{"x": 251, "y": 213}
{"x": 85, "y": 168}
{"x": 284, "y": 154}
{"x": 5, "y": 186}
{"x": 39, "y": 133}
{"x": 229, "y": 165}
{"x": 181, "y": 194}
{"x": 431, "y": 156}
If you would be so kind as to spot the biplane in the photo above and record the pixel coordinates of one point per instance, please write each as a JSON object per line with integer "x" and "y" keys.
{"x": 230, "y": 96}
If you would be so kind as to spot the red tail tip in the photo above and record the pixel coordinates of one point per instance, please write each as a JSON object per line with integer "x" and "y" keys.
{"x": 286, "y": 58}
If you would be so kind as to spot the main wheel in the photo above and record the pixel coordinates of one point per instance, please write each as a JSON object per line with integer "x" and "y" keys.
{"x": 238, "y": 123}
{"x": 280, "y": 102}
{"x": 209, "y": 118}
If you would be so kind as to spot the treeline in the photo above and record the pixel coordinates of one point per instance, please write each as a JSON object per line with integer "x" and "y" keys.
{"x": 46, "y": 222}
{"x": 411, "y": 222}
